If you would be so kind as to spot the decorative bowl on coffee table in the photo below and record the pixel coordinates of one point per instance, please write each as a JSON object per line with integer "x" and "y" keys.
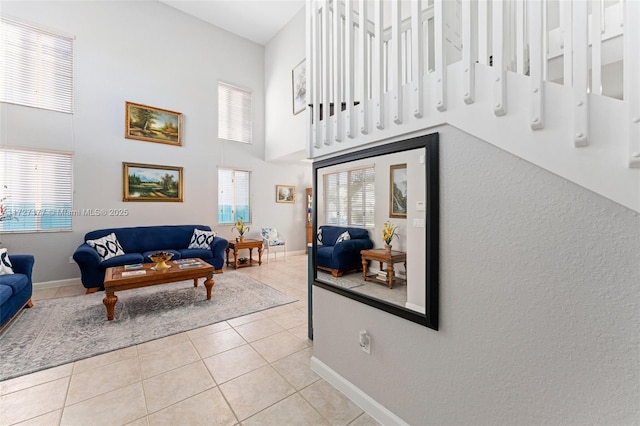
{"x": 160, "y": 258}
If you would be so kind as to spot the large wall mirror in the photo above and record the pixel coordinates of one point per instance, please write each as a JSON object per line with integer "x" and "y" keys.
{"x": 355, "y": 195}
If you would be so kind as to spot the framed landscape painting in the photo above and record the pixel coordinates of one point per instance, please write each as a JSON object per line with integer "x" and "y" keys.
{"x": 149, "y": 182}
{"x": 299, "y": 87}
{"x": 145, "y": 123}
{"x": 398, "y": 191}
{"x": 285, "y": 194}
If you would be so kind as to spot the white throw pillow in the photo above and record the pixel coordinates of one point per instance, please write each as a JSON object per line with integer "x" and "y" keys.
{"x": 107, "y": 247}
{"x": 343, "y": 237}
{"x": 5, "y": 264}
{"x": 319, "y": 237}
{"x": 201, "y": 239}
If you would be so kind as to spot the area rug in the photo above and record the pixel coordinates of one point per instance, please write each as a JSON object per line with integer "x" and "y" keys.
{"x": 58, "y": 331}
{"x": 344, "y": 282}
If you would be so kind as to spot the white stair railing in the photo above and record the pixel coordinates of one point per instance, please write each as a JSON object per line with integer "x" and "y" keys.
{"x": 538, "y": 79}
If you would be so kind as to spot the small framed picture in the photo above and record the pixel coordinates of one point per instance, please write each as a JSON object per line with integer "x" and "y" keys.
{"x": 398, "y": 191}
{"x": 285, "y": 194}
{"x": 299, "y": 86}
{"x": 149, "y": 182}
{"x": 145, "y": 123}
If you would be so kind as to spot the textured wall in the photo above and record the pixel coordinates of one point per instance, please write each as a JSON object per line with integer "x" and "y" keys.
{"x": 540, "y": 284}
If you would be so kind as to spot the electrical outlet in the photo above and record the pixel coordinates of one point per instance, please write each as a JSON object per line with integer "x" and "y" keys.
{"x": 365, "y": 341}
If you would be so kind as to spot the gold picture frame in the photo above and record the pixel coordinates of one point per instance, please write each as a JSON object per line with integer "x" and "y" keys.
{"x": 150, "y": 124}
{"x": 151, "y": 182}
{"x": 398, "y": 191}
{"x": 285, "y": 194}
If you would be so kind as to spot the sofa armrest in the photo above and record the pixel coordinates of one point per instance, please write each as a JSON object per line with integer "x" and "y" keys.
{"x": 86, "y": 256}
{"x": 218, "y": 247}
{"x": 22, "y": 264}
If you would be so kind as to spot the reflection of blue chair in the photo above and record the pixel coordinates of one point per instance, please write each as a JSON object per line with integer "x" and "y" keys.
{"x": 273, "y": 241}
{"x": 339, "y": 257}
{"x": 16, "y": 288}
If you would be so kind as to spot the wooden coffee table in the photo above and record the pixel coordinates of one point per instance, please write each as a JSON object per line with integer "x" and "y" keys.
{"x": 382, "y": 256}
{"x": 246, "y": 244}
{"x": 146, "y": 276}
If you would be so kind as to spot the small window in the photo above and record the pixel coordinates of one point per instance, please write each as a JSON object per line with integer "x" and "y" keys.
{"x": 350, "y": 197}
{"x": 233, "y": 196}
{"x": 36, "y": 192}
{"x": 234, "y": 113}
{"x": 37, "y": 67}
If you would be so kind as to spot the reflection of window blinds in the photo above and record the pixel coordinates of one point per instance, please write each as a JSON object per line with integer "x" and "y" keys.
{"x": 37, "y": 190}
{"x": 350, "y": 197}
{"x": 234, "y": 113}
{"x": 37, "y": 67}
{"x": 233, "y": 195}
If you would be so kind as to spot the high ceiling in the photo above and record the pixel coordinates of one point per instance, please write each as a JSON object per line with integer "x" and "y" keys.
{"x": 255, "y": 20}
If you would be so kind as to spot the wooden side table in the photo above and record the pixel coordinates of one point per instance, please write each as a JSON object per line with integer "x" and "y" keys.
{"x": 382, "y": 256}
{"x": 246, "y": 244}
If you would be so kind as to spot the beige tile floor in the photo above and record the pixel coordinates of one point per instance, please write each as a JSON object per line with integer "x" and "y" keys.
{"x": 252, "y": 370}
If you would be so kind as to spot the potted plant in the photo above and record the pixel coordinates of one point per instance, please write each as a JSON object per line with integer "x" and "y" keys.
{"x": 389, "y": 230}
{"x": 241, "y": 227}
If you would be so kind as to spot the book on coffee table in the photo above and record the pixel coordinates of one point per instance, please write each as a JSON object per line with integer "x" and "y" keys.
{"x": 184, "y": 261}
{"x": 190, "y": 265}
{"x": 133, "y": 267}
{"x": 133, "y": 273}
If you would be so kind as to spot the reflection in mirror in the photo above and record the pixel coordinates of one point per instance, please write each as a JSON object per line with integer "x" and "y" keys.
{"x": 387, "y": 191}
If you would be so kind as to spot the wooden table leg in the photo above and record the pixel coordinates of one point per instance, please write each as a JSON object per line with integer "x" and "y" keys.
{"x": 195, "y": 282}
{"x": 209, "y": 285}
{"x": 390, "y": 273}
{"x": 235, "y": 258}
{"x": 364, "y": 269}
{"x": 227, "y": 256}
{"x": 110, "y": 302}
{"x": 260, "y": 255}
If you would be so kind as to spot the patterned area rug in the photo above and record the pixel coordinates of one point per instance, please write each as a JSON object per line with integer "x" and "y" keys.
{"x": 355, "y": 281}
{"x": 59, "y": 331}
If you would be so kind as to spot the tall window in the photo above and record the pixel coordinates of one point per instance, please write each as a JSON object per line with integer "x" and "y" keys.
{"x": 36, "y": 190}
{"x": 350, "y": 197}
{"x": 233, "y": 195}
{"x": 234, "y": 113}
{"x": 37, "y": 67}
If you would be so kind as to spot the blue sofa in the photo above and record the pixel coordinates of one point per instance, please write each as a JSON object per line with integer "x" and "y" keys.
{"x": 16, "y": 289}
{"x": 138, "y": 243}
{"x": 338, "y": 258}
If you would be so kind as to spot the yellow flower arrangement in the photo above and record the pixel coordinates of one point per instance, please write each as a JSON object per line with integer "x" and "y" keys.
{"x": 389, "y": 230}
{"x": 241, "y": 227}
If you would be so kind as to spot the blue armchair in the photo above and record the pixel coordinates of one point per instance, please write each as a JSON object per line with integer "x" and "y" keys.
{"x": 16, "y": 289}
{"x": 338, "y": 255}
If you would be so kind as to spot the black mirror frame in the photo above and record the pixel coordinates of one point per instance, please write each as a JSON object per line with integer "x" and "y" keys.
{"x": 430, "y": 143}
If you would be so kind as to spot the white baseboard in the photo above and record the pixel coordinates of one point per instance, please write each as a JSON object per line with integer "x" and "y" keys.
{"x": 364, "y": 401}
{"x": 57, "y": 283}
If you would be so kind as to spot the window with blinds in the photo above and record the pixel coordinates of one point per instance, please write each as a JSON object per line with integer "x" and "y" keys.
{"x": 234, "y": 113}
{"x": 350, "y": 197}
{"x": 37, "y": 67}
{"x": 233, "y": 196}
{"x": 37, "y": 190}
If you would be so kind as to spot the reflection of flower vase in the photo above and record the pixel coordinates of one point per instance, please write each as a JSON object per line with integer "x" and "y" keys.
{"x": 387, "y": 248}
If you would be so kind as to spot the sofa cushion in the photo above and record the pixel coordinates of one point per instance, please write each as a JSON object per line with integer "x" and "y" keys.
{"x": 193, "y": 253}
{"x": 201, "y": 239}
{"x": 5, "y": 293}
{"x": 331, "y": 233}
{"x": 343, "y": 237}
{"x": 5, "y": 263}
{"x": 107, "y": 246}
{"x": 125, "y": 259}
{"x": 15, "y": 282}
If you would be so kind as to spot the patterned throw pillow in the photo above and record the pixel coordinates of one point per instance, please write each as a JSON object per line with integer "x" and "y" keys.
{"x": 201, "y": 239}
{"x": 319, "y": 237}
{"x": 343, "y": 237}
{"x": 107, "y": 247}
{"x": 5, "y": 264}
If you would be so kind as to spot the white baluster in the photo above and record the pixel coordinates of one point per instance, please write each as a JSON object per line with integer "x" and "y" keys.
{"x": 580, "y": 69}
{"x": 468, "y": 50}
{"x": 499, "y": 83}
{"x": 536, "y": 61}
{"x": 417, "y": 58}
{"x": 363, "y": 121}
{"x": 349, "y": 71}
{"x": 441, "y": 63}
{"x": 631, "y": 80}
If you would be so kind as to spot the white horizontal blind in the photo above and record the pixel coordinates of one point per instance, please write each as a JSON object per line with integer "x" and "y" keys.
{"x": 233, "y": 195}
{"x": 37, "y": 67}
{"x": 37, "y": 190}
{"x": 350, "y": 197}
{"x": 235, "y": 121}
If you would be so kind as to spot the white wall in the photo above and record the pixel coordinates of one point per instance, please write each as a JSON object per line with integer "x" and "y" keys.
{"x": 149, "y": 53}
{"x": 539, "y": 318}
{"x": 286, "y": 133}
